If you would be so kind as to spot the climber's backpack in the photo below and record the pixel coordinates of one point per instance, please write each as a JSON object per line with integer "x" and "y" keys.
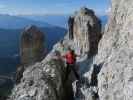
{"x": 70, "y": 58}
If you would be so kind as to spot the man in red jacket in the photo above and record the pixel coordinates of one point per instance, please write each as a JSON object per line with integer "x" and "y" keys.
{"x": 71, "y": 62}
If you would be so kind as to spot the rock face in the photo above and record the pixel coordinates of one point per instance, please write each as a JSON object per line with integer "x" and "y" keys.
{"x": 70, "y": 26}
{"x": 85, "y": 30}
{"x": 32, "y": 46}
{"x": 86, "y": 33}
{"x": 32, "y": 49}
{"x": 42, "y": 81}
{"x": 115, "y": 81}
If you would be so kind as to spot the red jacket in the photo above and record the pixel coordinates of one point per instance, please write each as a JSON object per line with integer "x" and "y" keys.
{"x": 70, "y": 58}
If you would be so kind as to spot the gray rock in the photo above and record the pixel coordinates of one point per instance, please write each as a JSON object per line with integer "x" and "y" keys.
{"x": 86, "y": 88}
{"x": 32, "y": 45}
{"x": 85, "y": 30}
{"x": 115, "y": 81}
{"x": 32, "y": 49}
{"x": 86, "y": 35}
{"x": 42, "y": 81}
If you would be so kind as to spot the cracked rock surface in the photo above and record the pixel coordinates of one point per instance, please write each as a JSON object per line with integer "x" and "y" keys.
{"x": 115, "y": 81}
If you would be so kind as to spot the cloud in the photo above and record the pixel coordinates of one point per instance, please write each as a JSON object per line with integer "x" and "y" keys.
{"x": 2, "y": 6}
{"x": 108, "y": 10}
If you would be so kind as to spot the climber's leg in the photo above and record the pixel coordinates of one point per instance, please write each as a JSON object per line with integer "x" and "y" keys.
{"x": 68, "y": 70}
{"x": 75, "y": 72}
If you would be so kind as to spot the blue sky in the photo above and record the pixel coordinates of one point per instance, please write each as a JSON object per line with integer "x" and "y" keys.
{"x": 43, "y": 7}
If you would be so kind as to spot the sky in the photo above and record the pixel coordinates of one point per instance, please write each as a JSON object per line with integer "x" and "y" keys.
{"x": 49, "y": 7}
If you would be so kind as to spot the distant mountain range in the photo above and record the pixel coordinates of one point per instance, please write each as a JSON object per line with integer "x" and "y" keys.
{"x": 57, "y": 20}
{"x": 17, "y": 22}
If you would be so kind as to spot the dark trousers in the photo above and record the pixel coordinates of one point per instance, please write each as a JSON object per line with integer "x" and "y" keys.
{"x": 71, "y": 67}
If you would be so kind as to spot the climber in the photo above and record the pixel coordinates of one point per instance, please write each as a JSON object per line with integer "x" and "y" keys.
{"x": 71, "y": 62}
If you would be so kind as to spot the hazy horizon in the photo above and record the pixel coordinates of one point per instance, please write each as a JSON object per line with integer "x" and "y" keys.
{"x": 47, "y": 7}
